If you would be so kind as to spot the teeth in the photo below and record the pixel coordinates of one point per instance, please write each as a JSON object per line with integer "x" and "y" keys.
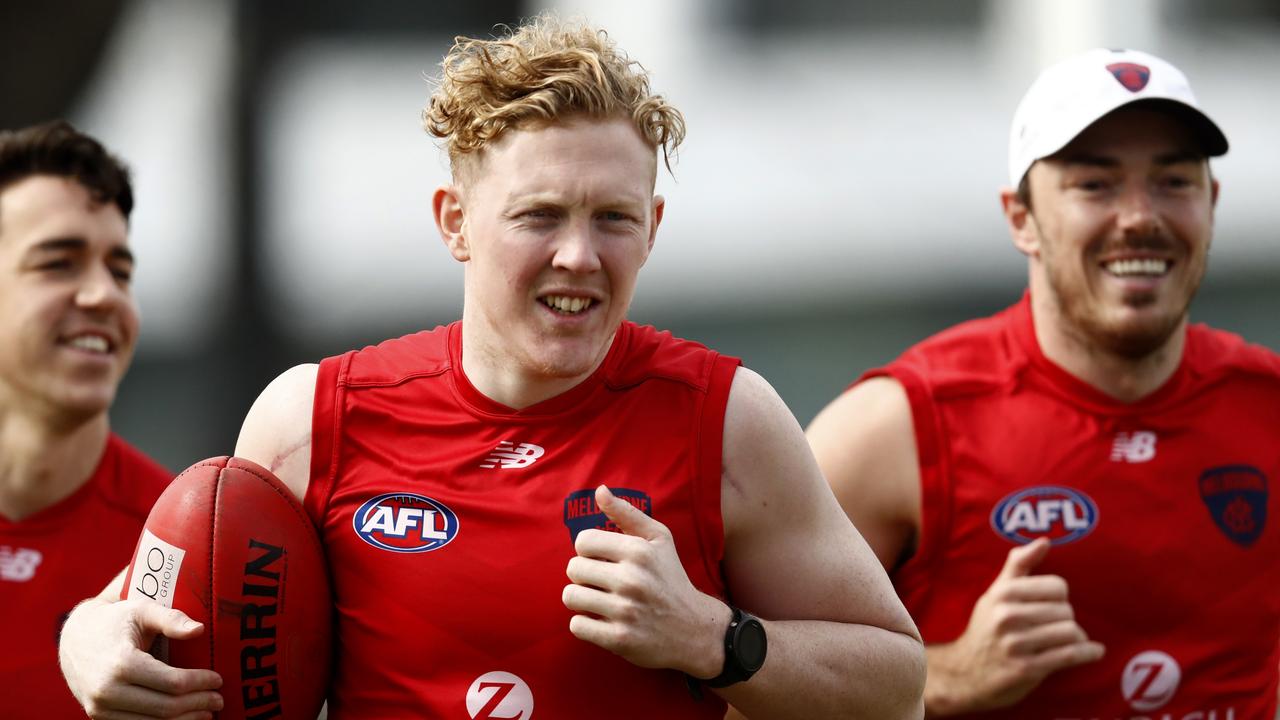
{"x": 1145, "y": 266}
{"x": 93, "y": 343}
{"x": 566, "y": 304}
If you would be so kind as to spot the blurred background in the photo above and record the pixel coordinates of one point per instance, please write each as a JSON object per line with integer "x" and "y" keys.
{"x": 836, "y": 199}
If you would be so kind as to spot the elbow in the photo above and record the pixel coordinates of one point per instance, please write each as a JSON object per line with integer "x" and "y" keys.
{"x": 919, "y": 668}
{"x": 895, "y": 691}
{"x": 912, "y": 670}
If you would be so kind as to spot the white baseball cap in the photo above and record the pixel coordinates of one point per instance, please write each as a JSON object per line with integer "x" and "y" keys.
{"x": 1075, "y": 93}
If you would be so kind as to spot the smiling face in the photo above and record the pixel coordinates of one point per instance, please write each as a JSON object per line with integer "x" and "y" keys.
{"x": 554, "y": 223}
{"x": 68, "y": 319}
{"x": 1118, "y": 231}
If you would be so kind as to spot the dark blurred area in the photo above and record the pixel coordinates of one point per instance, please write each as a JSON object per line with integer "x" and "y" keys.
{"x": 51, "y": 49}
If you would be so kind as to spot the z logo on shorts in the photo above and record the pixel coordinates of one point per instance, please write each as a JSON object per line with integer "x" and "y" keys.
{"x": 1150, "y": 680}
{"x": 498, "y": 695}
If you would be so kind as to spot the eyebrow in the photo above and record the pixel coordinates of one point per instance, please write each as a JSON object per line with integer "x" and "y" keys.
{"x": 553, "y": 199}
{"x": 79, "y": 244}
{"x": 1180, "y": 156}
{"x": 1090, "y": 160}
{"x": 1102, "y": 161}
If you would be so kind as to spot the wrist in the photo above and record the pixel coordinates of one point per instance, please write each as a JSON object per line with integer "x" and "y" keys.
{"x": 745, "y": 647}
{"x": 706, "y": 658}
{"x": 942, "y": 696}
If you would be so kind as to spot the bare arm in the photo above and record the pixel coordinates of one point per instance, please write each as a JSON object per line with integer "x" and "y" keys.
{"x": 865, "y": 444}
{"x": 840, "y": 642}
{"x": 276, "y": 432}
{"x": 1021, "y": 629}
{"x": 102, "y": 649}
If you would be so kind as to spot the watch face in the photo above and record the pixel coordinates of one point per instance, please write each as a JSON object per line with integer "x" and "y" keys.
{"x": 750, "y": 645}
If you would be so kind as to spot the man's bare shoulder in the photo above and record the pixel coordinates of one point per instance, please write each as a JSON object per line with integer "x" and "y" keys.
{"x": 779, "y": 513}
{"x": 276, "y": 432}
{"x": 865, "y": 443}
{"x": 759, "y": 430}
{"x": 863, "y": 423}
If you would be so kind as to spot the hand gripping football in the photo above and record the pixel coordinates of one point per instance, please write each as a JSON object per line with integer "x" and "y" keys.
{"x": 229, "y": 545}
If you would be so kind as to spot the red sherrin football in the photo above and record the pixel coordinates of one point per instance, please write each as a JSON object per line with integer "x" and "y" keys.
{"x": 229, "y": 545}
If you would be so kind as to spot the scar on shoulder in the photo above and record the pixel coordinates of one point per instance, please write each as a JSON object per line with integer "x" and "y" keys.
{"x": 727, "y": 478}
{"x": 280, "y": 459}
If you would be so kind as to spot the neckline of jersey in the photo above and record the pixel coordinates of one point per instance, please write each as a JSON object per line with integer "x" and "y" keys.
{"x": 1082, "y": 393}
{"x": 52, "y": 517}
{"x": 566, "y": 401}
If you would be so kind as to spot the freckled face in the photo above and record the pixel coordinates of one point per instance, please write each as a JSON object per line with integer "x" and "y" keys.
{"x": 558, "y": 222}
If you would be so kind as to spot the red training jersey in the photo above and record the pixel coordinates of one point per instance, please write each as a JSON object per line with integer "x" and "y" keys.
{"x": 57, "y": 557}
{"x": 1159, "y": 512}
{"x": 449, "y": 520}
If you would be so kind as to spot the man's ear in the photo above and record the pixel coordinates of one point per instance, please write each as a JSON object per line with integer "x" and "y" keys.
{"x": 446, "y": 204}
{"x": 1022, "y": 224}
{"x": 659, "y": 206}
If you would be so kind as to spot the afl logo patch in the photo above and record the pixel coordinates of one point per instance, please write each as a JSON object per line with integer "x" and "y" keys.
{"x": 406, "y": 523}
{"x": 1051, "y": 511}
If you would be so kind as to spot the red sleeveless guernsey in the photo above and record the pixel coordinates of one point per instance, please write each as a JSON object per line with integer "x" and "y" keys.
{"x": 54, "y": 559}
{"x": 1160, "y": 514}
{"x": 449, "y": 521}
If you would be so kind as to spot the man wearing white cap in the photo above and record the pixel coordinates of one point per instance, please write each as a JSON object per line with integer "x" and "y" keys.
{"x": 1072, "y": 495}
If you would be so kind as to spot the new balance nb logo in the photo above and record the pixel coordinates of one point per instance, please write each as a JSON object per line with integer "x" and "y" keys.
{"x": 1134, "y": 447}
{"x": 508, "y": 456}
{"x": 18, "y": 564}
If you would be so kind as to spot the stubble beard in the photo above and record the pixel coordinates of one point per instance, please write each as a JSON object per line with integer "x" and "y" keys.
{"x": 1085, "y": 319}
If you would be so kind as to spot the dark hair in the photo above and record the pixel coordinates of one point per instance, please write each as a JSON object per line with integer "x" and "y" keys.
{"x": 57, "y": 148}
{"x": 1024, "y": 190}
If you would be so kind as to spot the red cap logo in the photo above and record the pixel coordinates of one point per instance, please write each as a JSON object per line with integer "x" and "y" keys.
{"x": 1132, "y": 76}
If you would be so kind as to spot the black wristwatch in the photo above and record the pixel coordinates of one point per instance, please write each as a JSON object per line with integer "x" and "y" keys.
{"x": 745, "y": 646}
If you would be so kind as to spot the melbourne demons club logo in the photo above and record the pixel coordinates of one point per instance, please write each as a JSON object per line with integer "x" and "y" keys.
{"x": 405, "y": 523}
{"x": 1236, "y": 497}
{"x": 582, "y": 513}
{"x": 1059, "y": 513}
{"x": 498, "y": 695}
{"x": 1132, "y": 76}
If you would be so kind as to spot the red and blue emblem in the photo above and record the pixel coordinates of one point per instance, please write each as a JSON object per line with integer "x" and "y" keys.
{"x": 405, "y": 523}
{"x": 582, "y": 513}
{"x": 1059, "y": 513}
{"x": 1236, "y": 497}
{"x": 1132, "y": 76}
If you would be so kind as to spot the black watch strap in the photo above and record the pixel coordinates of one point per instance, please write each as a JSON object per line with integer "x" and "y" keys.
{"x": 745, "y": 647}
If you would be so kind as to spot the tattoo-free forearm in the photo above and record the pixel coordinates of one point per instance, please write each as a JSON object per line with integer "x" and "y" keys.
{"x": 828, "y": 669}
